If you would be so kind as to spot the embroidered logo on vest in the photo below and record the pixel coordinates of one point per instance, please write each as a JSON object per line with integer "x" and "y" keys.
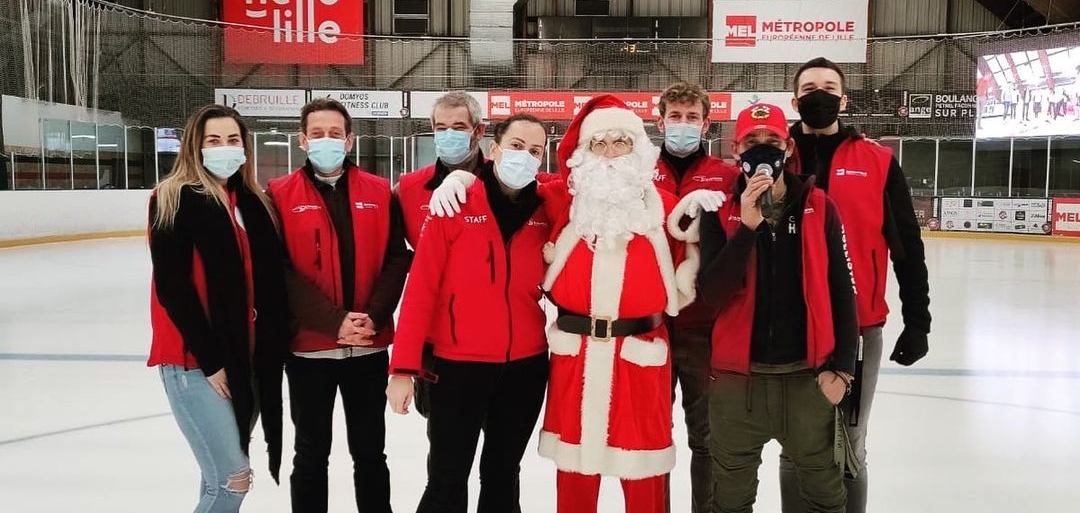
{"x": 360, "y": 205}
{"x": 476, "y": 219}
{"x": 299, "y": 209}
{"x": 851, "y": 172}
{"x": 708, "y": 179}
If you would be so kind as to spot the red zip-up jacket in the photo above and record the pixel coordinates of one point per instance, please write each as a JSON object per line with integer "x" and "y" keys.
{"x": 312, "y": 243}
{"x": 414, "y": 196}
{"x": 475, "y": 298}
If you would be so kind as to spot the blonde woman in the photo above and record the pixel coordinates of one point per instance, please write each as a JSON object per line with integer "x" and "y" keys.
{"x": 219, "y": 310}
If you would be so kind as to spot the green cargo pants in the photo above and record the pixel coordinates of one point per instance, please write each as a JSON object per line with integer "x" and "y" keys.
{"x": 745, "y": 412}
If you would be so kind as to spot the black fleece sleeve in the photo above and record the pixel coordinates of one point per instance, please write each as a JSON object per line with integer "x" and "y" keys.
{"x": 723, "y": 261}
{"x": 391, "y": 281}
{"x": 841, "y": 294}
{"x": 907, "y": 250}
{"x": 172, "y": 253}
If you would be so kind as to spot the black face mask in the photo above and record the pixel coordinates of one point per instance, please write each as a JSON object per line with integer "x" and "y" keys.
{"x": 819, "y": 108}
{"x": 764, "y": 157}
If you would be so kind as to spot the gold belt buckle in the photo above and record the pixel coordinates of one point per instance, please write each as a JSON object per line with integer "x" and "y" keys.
{"x": 607, "y": 329}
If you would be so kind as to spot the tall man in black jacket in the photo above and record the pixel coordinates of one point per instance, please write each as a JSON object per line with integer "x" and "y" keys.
{"x": 868, "y": 186}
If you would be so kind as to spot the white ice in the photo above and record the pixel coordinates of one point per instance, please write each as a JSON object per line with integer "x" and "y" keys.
{"x": 988, "y": 422}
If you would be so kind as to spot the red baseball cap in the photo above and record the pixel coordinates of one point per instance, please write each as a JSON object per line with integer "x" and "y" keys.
{"x": 761, "y": 116}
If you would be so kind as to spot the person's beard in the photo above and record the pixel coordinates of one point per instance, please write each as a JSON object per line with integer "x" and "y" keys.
{"x": 609, "y": 197}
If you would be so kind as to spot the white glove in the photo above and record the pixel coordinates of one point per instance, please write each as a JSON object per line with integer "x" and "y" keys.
{"x": 447, "y": 198}
{"x": 703, "y": 200}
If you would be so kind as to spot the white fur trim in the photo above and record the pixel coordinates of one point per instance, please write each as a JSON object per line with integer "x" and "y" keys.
{"x": 644, "y": 353}
{"x": 608, "y": 270}
{"x": 561, "y": 250}
{"x": 692, "y": 232}
{"x": 563, "y": 343}
{"x": 611, "y": 118}
{"x": 686, "y": 275}
{"x": 549, "y": 252}
{"x": 621, "y": 463}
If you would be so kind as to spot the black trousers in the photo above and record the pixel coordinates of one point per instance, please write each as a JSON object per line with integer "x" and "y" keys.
{"x": 691, "y": 349}
{"x": 313, "y": 387}
{"x": 503, "y": 400}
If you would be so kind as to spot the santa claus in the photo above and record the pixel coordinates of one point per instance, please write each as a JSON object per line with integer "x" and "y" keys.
{"x": 613, "y": 279}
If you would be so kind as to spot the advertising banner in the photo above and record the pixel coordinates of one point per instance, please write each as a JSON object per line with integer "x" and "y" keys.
{"x": 368, "y": 104}
{"x": 294, "y": 31}
{"x": 996, "y": 215}
{"x": 564, "y": 105}
{"x": 874, "y": 103}
{"x": 542, "y": 104}
{"x": 925, "y": 212}
{"x": 1067, "y": 217}
{"x": 645, "y": 105}
{"x": 720, "y": 110}
{"x": 276, "y": 103}
{"x": 789, "y": 30}
{"x": 421, "y": 103}
{"x": 938, "y": 105}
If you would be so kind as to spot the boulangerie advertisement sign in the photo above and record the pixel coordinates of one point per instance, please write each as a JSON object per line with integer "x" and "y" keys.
{"x": 789, "y": 30}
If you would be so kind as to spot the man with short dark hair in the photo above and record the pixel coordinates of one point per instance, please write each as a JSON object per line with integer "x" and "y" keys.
{"x": 344, "y": 235}
{"x": 869, "y": 188}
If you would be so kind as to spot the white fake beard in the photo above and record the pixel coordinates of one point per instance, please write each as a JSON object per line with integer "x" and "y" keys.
{"x": 609, "y": 196}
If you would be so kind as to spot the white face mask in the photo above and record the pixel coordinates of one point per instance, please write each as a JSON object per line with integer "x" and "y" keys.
{"x": 516, "y": 168}
{"x": 223, "y": 161}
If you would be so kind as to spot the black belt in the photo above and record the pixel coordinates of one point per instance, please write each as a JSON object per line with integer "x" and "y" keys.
{"x": 605, "y": 328}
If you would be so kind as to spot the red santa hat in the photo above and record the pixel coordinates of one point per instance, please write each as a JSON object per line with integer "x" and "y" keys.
{"x": 600, "y": 114}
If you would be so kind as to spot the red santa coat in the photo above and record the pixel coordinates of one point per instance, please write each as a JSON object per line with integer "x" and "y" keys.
{"x": 608, "y": 406}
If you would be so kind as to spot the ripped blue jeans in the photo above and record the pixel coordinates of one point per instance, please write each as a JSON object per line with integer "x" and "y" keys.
{"x": 207, "y": 422}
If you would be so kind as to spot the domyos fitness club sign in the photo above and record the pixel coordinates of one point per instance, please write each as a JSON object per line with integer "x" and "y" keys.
{"x": 789, "y": 30}
{"x": 294, "y": 31}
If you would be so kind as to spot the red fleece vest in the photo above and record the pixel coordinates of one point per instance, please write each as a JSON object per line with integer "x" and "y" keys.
{"x": 857, "y": 179}
{"x": 313, "y": 245}
{"x": 734, "y": 325}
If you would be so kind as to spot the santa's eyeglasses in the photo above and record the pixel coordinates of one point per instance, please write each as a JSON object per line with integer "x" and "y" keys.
{"x": 618, "y": 146}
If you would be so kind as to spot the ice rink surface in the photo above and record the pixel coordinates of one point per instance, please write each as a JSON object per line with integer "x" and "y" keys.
{"x": 988, "y": 422}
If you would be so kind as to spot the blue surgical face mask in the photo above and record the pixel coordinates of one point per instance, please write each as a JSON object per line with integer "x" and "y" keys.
{"x": 516, "y": 168}
{"x": 682, "y": 139}
{"x": 453, "y": 146}
{"x": 223, "y": 161}
{"x": 326, "y": 154}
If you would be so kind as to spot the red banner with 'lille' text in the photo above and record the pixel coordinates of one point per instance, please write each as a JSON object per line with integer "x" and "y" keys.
{"x": 294, "y": 31}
